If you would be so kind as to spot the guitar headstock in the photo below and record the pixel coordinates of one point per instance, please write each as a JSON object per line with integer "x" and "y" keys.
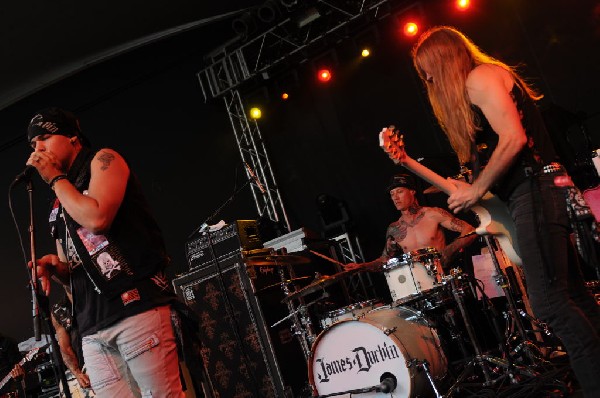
{"x": 392, "y": 143}
{"x": 32, "y": 354}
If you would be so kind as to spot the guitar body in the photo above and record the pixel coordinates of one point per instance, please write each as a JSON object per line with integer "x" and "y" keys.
{"x": 494, "y": 219}
{"x": 492, "y": 213}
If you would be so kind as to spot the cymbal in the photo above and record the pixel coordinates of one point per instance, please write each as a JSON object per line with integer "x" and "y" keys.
{"x": 277, "y": 260}
{"x": 285, "y": 282}
{"x": 319, "y": 284}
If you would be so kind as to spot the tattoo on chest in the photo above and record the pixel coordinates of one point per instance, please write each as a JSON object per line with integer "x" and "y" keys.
{"x": 400, "y": 228}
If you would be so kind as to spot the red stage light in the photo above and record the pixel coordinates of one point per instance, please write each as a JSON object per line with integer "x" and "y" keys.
{"x": 411, "y": 28}
{"x": 324, "y": 75}
{"x": 462, "y": 5}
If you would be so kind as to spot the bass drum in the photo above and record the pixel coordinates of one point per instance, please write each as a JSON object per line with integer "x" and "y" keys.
{"x": 354, "y": 354}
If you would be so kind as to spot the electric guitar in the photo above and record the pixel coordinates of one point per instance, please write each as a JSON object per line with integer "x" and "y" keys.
{"x": 493, "y": 215}
{"x": 28, "y": 357}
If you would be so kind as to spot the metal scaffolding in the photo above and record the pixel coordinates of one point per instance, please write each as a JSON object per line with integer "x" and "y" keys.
{"x": 360, "y": 286}
{"x": 308, "y": 27}
{"x": 256, "y": 161}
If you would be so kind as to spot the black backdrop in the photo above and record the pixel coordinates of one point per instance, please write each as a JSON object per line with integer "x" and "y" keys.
{"x": 148, "y": 105}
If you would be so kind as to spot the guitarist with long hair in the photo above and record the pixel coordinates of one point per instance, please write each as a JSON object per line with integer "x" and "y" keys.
{"x": 479, "y": 99}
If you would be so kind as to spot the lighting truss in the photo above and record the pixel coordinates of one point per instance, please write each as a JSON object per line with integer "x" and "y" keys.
{"x": 290, "y": 41}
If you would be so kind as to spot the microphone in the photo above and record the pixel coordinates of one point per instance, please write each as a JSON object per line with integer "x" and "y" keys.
{"x": 24, "y": 175}
{"x": 387, "y": 383}
{"x": 255, "y": 178}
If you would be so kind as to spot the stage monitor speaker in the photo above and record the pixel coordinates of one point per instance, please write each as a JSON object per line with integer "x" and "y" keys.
{"x": 240, "y": 352}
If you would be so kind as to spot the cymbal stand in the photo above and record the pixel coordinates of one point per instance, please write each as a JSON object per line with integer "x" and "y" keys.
{"x": 478, "y": 358}
{"x": 301, "y": 325}
{"x": 503, "y": 282}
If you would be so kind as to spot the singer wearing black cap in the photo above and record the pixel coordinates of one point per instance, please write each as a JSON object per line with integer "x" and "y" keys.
{"x": 418, "y": 227}
{"x": 110, "y": 251}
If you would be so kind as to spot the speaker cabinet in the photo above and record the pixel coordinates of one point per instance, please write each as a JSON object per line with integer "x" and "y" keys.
{"x": 241, "y": 353}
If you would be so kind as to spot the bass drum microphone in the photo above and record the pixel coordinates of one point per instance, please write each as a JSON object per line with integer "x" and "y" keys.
{"x": 388, "y": 383}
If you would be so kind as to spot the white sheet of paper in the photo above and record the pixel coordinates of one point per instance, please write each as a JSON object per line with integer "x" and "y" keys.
{"x": 484, "y": 270}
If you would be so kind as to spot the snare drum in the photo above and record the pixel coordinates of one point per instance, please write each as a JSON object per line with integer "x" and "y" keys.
{"x": 354, "y": 354}
{"x": 417, "y": 272}
{"x": 352, "y": 311}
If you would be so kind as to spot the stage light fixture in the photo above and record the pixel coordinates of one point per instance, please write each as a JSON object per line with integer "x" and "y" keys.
{"x": 324, "y": 75}
{"x": 462, "y": 5}
{"x": 255, "y": 113}
{"x": 268, "y": 11}
{"x": 285, "y": 96}
{"x": 365, "y": 52}
{"x": 410, "y": 29}
{"x": 244, "y": 25}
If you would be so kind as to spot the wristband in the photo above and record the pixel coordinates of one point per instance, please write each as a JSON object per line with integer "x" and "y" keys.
{"x": 57, "y": 178}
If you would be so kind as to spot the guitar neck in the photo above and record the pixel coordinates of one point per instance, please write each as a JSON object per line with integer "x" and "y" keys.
{"x": 430, "y": 176}
{"x": 22, "y": 362}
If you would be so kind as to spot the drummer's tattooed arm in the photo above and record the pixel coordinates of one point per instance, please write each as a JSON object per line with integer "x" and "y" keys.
{"x": 455, "y": 224}
{"x": 451, "y": 222}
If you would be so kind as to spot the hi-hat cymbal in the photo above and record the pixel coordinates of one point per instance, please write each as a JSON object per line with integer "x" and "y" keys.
{"x": 319, "y": 284}
{"x": 276, "y": 260}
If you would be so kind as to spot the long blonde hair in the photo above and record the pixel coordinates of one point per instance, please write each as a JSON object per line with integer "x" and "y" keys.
{"x": 443, "y": 58}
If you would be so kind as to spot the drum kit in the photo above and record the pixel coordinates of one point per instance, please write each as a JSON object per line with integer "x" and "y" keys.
{"x": 372, "y": 348}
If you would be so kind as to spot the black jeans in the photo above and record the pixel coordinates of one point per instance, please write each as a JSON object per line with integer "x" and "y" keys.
{"x": 555, "y": 285}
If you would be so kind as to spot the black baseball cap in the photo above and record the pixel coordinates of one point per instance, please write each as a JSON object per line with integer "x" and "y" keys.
{"x": 402, "y": 180}
{"x": 55, "y": 120}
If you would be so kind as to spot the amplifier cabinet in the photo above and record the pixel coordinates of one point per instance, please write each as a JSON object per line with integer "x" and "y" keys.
{"x": 225, "y": 242}
{"x": 237, "y": 351}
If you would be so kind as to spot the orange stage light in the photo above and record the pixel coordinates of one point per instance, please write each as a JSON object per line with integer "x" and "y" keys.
{"x": 462, "y": 4}
{"x": 324, "y": 75}
{"x": 285, "y": 96}
{"x": 411, "y": 29}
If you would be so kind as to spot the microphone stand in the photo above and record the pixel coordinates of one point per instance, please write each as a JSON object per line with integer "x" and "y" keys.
{"x": 41, "y": 302}
{"x": 204, "y": 225}
{"x": 34, "y": 278}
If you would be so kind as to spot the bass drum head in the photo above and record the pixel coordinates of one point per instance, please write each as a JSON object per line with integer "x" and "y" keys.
{"x": 355, "y": 354}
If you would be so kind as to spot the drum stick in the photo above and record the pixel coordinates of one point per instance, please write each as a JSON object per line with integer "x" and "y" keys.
{"x": 326, "y": 258}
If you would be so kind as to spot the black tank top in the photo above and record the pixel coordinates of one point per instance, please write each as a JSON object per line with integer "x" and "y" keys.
{"x": 538, "y": 151}
{"x": 141, "y": 246}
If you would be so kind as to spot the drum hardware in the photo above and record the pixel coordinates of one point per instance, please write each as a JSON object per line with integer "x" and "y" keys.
{"x": 352, "y": 311}
{"x": 319, "y": 284}
{"x": 301, "y": 325}
{"x": 504, "y": 283}
{"x": 482, "y": 360}
{"x": 542, "y": 325}
{"x": 424, "y": 365}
